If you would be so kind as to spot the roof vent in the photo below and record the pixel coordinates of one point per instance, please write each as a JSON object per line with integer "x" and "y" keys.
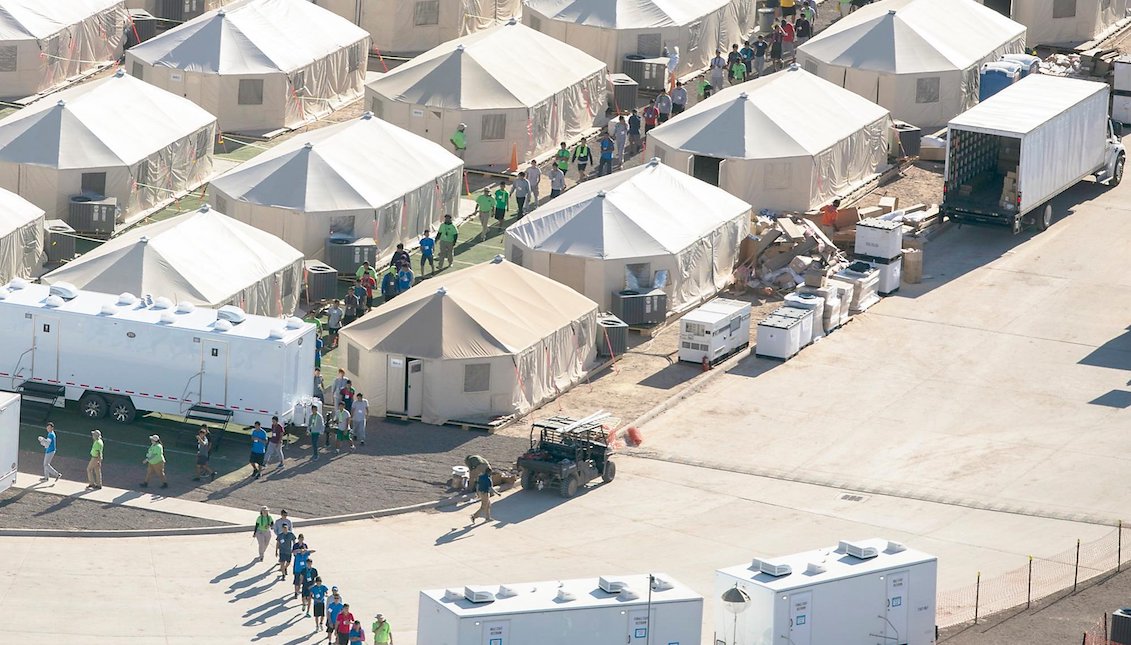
{"x": 308, "y": 145}
{"x": 661, "y": 584}
{"x": 775, "y": 569}
{"x": 478, "y": 594}
{"x": 185, "y": 307}
{"x": 441, "y": 291}
{"x": 64, "y": 290}
{"x": 505, "y": 592}
{"x": 120, "y": 73}
{"x": 276, "y": 333}
{"x": 565, "y": 595}
{"x": 815, "y": 568}
{"x": 627, "y": 594}
{"x": 793, "y": 67}
{"x": 108, "y": 310}
{"x": 895, "y": 547}
{"x": 654, "y": 161}
{"x": 168, "y": 318}
{"x": 126, "y": 299}
{"x": 221, "y": 325}
{"x": 17, "y": 283}
{"x": 220, "y": 13}
{"x": 204, "y": 209}
{"x": 367, "y": 116}
{"x": 459, "y": 48}
{"x": 611, "y": 585}
{"x": 143, "y": 240}
{"x": 498, "y": 259}
{"x": 162, "y": 303}
{"x": 512, "y": 21}
{"x": 601, "y": 194}
{"x": 61, "y": 103}
{"x": 859, "y": 550}
{"x": 294, "y": 322}
{"x": 743, "y": 96}
{"x": 452, "y": 595}
{"x": 231, "y": 313}
{"x": 53, "y": 301}
{"x": 891, "y": 12}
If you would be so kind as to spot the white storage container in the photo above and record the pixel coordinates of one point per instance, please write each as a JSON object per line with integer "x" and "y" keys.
{"x": 778, "y": 337}
{"x": 865, "y": 281}
{"x": 890, "y": 274}
{"x": 879, "y": 238}
{"x": 714, "y": 331}
{"x": 813, "y": 302}
{"x": 858, "y": 593}
{"x": 806, "y": 318}
{"x": 594, "y": 611}
{"x": 9, "y": 438}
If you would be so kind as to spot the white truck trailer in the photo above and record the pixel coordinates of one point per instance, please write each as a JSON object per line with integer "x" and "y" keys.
{"x": 858, "y": 593}
{"x": 593, "y": 611}
{"x": 121, "y": 355}
{"x": 9, "y": 438}
{"x": 1007, "y": 157}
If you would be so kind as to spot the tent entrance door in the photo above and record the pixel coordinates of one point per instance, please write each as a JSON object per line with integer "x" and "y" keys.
{"x": 706, "y": 168}
{"x": 1004, "y": 7}
{"x": 395, "y": 385}
{"x": 415, "y": 387}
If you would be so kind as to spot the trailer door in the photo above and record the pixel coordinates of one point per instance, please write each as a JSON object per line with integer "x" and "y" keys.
{"x": 497, "y": 632}
{"x": 45, "y": 357}
{"x": 638, "y": 627}
{"x": 214, "y": 374}
{"x": 415, "y": 388}
{"x": 896, "y": 624}
{"x": 800, "y": 618}
{"x": 395, "y": 385}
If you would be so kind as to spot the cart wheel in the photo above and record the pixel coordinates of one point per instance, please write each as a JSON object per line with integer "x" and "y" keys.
{"x": 568, "y": 486}
{"x": 93, "y": 406}
{"x": 1045, "y": 219}
{"x": 609, "y": 473}
{"x": 526, "y": 479}
{"x": 122, "y": 410}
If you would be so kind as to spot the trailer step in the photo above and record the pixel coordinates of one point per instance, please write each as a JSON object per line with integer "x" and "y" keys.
{"x": 45, "y": 394}
{"x": 208, "y": 414}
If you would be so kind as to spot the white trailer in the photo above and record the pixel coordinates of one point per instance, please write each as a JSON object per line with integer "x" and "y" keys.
{"x": 9, "y": 438}
{"x": 120, "y": 355}
{"x": 859, "y": 593}
{"x": 594, "y": 611}
{"x": 1007, "y": 157}
{"x": 714, "y": 331}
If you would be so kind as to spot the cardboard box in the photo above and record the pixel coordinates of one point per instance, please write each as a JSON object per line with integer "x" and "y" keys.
{"x": 912, "y": 266}
{"x": 890, "y": 202}
{"x": 794, "y": 231}
{"x": 846, "y": 218}
{"x": 870, "y": 211}
{"x": 816, "y": 278}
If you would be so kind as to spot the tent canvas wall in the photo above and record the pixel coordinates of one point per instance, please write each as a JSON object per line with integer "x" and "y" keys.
{"x": 21, "y": 237}
{"x": 203, "y": 257}
{"x": 639, "y": 221}
{"x": 116, "y": 136}
{"x": 365, "y": 178}
{"x": 45, "y": 42}
{"x": 613, "y": 29}
{"x": 405, "y": 26}
{"x": 481, "y": 343}
{"x": 259, "y": 65}
{"x": 554, "y": 94}
{"x": 788, "y": 141}
{"x": 918, "y": 58}
{"x": 1062, "y": 21}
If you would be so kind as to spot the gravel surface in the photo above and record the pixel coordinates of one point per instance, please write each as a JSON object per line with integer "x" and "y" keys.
{"x": 31, "y": 510}
{"x": 921, "y": 183}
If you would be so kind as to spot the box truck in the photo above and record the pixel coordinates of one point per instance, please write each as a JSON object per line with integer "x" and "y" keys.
{"x": 857, "y": 593}
{"x": 614, "y": 610}
{"x": 121, "y": 355}
{"x": 9, "y": 438}
{"x": 1006, "y": 158}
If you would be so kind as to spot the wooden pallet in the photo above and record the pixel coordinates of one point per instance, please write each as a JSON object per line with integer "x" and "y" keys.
{"x": 649, "y": 330}
{"x": 488, "y": 427}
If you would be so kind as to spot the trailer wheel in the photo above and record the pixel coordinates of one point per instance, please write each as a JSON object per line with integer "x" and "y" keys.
{"x": 122, "y": 410}
{"x": 526, "y": 480}
{"x": 568, "y": 487}
{"x": 1045, "y": 219}
{"x": 1117, "y": 173}
{"x": 93, "y": 406}
{"x": 609, "y": 473}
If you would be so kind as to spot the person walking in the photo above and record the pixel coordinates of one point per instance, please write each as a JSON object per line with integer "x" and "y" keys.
{"x": 357, "y": 634}
{"x": 316, "y": 426}
{"x": 405, "y": 278}
{"x": 309, "y": 576}
{"x": 483, "y": 488}
{"x": 342, "y": 433}
{"x": 339, "y": 383}
{"x": 369, "y": 282}
{"x": 49, "y": 446}
{"x": 534, "y": 176}
{"x": 605, "y": 165}
{"x": 334, "y": 607}
{"x": 803, "y": 30}
{"x": 275, "y": 443}
{"x": 318, "y": 594}
{"x": 521, "y": 193}
{"x": 651, "y": 116}
{"x": 459, "y": 140}
{"x": 382, "y": 631}
{"x": 155, "y": 462}
{"x": 776, "y": 40}
{"x": 664, "y": 106}
{"x": 737, "y": 72}
{"x": 301, "y": 560}
{"x": 582, "y": 155}
{"x": 427, "y": 249}
{"x": 203, "y": 453}
{"x": 262, "y": 531}
{"x": 502, "y": 201}
{"x": 447, "y": 235}
{"x": 334, "y": 316}
{"x": 351, "y": 307}
{"x": 258, "y": 449}
{"x": 718, "y": 70}
{"x": 620, "y": 136}
{"x": 484, "y": 207}
{"x": 561, "y": 157}
{"x": 359, "y": 412}
{"x": 679, "y": 98}
{"x": 344, "y": 622}
{"x": 279, "y": 525}
{"x": 360, "y": 291}
{"x": 400, "y": 256}
{"x": 319, "y": 386}
{"x": 284, "y": 545}
{"x": 760, "y": 48}
{"x": 347, "y": 395}
{"x": 557, "y": 181}
{"x": 634, "y": 133}
{"x": 789, "y": 34}
{"x": 388, "y": 292}
{"x": 94, "y": 466}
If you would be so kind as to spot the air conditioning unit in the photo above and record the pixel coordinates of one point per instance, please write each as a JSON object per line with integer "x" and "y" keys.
{"x": 649, "y": 73}
{"x": 95, "y": 214}
{"x": 776, "y": 569}
{"x": 478, "y": 594}
{"x": 346, "y": 253}
{"x": 859, "y": 550}
{"x": 59, "y": 241}
{"x": 1121, "y": 626}
{"x": 611, "y": 585}
{"x": 623, "y": 92}
{"x": 612, "y": 336}
{"x": 180, "y": 10}
{"x": 321, "y": 281}
{"x": 636, "y": 308}
{"x": 142, "y": 27}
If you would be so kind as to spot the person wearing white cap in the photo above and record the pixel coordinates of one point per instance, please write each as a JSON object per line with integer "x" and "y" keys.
{"x": 459, "y": 140}
{"x": 382, "y": 632}
{"x": 94, "y": 467}
{"x": 154, "y": 462}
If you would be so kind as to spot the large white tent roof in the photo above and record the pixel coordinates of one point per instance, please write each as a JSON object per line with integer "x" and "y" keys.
{"x": 114, "y": 121}
{"x": 252, "y": 37}
{"x": 913, "y": 36}
{"x": 36, "y": 19}
{"x": 792, "y": 114}
{"x": 472, "y": 313}
{"x": 626, "y": 14}
{"x": 509, "y": 65}
{"x": 646, "y": 211}
{"x": 203, "y": 256}
{"x": 361, "y": 164}
{"x": 16, "y": 212}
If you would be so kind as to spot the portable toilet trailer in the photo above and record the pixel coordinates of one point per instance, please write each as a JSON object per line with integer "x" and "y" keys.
{"x": 9, "y": 438}
{"x": 857, "y": 593}
{"x": 995, "y": 77}
{"x": 635, "y": 609}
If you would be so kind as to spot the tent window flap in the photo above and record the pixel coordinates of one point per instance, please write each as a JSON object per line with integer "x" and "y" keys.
{"x": 477, "y": 377}
{"x": 8, "y": 58}
{"x": 251, "y": 91}
{"x": 1063, "y": 9}
{"x": 427, "y": 12}
{"x": 494, "y": 127}
{"x": 353, "y": 358}
{"x": 94, "y": 182}
{"x": 650, "y": 45}
{"x": 355, "y": 57}
{"x": 516, "y": 255}
{"x": 927, "y": 90}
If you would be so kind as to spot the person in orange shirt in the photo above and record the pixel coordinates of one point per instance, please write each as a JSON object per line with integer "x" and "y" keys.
{"x": 828, "y": 213}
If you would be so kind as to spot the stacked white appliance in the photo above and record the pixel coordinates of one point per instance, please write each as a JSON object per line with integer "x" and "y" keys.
{"x": 879, "y": 242}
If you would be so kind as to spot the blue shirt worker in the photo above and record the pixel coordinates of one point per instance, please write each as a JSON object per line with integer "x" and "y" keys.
{"x": 483, "y": 489}
{"x": 405, "y": 278}
{"x": 427, "y": 251}
{"x": 258, "y": 449}
{"x": 48, "y": 444}
{"x": 605, "y": 166}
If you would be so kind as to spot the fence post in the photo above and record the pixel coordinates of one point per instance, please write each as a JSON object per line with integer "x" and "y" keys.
{"x": 1076, "y": 569}
{"x": 1105, "y": 628}
{"x": 1119, "y": 547}
{"x": 1029, "y": 588}
{"x": 977, "y": 595}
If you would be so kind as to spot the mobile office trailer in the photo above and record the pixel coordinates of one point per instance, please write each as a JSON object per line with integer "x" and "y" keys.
{"x": 9, "y": 438}
{"x": 1007, "y": 157}
{"x": 120, "y": 355}
{"x": 594, "y": 611}
{"x": 858, "y": 593}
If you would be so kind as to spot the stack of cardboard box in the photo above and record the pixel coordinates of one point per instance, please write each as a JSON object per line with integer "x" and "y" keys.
{"x": 1009, "y": 190}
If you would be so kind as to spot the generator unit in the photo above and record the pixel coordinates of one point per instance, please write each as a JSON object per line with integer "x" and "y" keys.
{"x": 347, "y": 253}
{"x": 714, "y": 331}
{"x": 93, "y": 214}
{"x": 640, "y": 307}
{"x": 59, "y": 241}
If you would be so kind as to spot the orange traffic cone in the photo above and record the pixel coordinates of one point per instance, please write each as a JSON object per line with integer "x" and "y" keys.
{"x": 514, "y": 159}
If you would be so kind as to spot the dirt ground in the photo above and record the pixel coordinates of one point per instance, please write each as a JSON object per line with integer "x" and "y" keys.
{"x": 920, "y": 183}
{"x": 25, "y": 509}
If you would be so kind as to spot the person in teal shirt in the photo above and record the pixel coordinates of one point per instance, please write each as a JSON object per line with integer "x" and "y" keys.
{"x": 427, "y": 249}
{"x": 258, "y": 449}
{"x": 318, "y": 597}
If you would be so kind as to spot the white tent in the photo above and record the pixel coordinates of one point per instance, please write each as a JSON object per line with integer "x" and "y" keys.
{"x": 613, "y": 29}
{"x": 918, "y": 58}
{"x": 635, "y": 222}
{"x": 485, "y": 342}
{"x": 514, "y": 88}
{"x": 1063, "y": 21}
{"x": 418, "y": 25}
{"x": 45, "y": 42}
{"x": 259, "y": 65}
{"x": 788, "y": 141}
{"x": 203, "y": 257}
{"x": 117, "y": 137}
{"x": 21, "y": 237}
{"x": 364, "y": 177}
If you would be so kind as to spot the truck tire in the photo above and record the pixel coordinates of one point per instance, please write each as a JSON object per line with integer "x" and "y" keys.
{"x": 92, "y": 406}
{"x": 526, "y": 479}
{"x": 1117, "y": 172}
{"x": 122, "y": 410}
{"x": 1044, "y": 219}
{"x": 609, "y": 473}
{"x": 568, "y": 487}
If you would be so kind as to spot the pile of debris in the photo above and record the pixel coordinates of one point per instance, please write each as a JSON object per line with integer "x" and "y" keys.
{"x": 920, "y": 222}
{"x": 1061, "y": 65}
{"x": 781, "y": 250}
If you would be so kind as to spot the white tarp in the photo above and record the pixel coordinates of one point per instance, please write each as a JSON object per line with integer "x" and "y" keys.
{"x": 259, "y": 65}
{"x": 21, "y": 237}
{"x": 203, "y": 257}
{"x": 493, "y": 340}
{"x": 140, "y": 143}
{"x": 612, "y": 29}
{"x": 517, "y": 90}
{"x": 406, "y": 26}
{"x": 365, "y": 177}
{"x": 918, "y": 58}
{"x": 1067, "y": 21}
{"x": 45, "y": 42}
{"x": 788, "y": 141}
{"x": 640, "y": 221}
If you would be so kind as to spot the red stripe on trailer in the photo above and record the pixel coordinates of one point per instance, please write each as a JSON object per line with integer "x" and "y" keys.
{"x": 264, "y": 411}
{"x": 70, "y": 383}
{"x": 143, "y": 394}
{"x": 4, "y": 374}
{"x": 83, "y": 385}
{"x": 127, "y": 391}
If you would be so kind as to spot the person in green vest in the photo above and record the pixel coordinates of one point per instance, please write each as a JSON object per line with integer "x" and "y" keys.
{"x": 502, "y": 200}
{"x": 484, "y": 206}
{"x": 562, "y": 157}
{"x": 155, "y": 462}
{"x": 382, "y": 632}
{"x": 94, "y": 467}
{"x": 459, "y": 140}
{"x": 262, "y": 530}
{"x": 447, "y": 234}
{"x": 582, "y": 156}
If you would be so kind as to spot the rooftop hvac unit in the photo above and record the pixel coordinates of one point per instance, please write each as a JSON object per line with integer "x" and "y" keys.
{"x": 611, "y": 585}
{"x": 649, "y": 73}
{"x": 478, "y": 594}
{"x": 321, "y": 281}
{"x": 859, "y": 550}
{"x": 89, "y": 213}
{"x": 636, "y": 308}
{"x": 180, "y": 10}
{"x": 1121, "y": 626}
{"x": 346, "y": 254}
{"x": 776, "y": 569}
{"x": 612, "y": 337}
{"x": 59, "y": 241}
{"x": 623, "y": 92}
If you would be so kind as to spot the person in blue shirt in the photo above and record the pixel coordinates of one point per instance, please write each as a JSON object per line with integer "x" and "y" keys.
{"x": 389, "y": 284}
{"x": 318, "y": 595}
{"x": 258, "y": 449}
{"x": 405, "y": 278}
{"x": 309, "y": 574}
{"x": 427, "y": 249}
{"x": 362, "y": 298}
{"x": 483, "y": 489}
{"x": 301, "y": 555}
{"x": 48, "y": 444}
{"x": 605, "y": 166}
{"x": 334, "y": 607}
